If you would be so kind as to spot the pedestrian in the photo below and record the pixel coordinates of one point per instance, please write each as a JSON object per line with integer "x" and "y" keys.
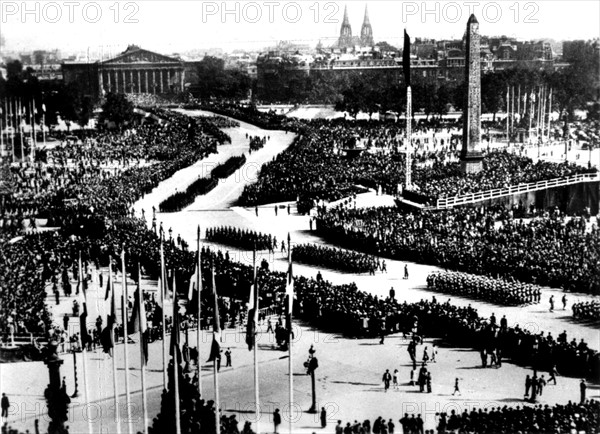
{"x": 412, "y": 377}
{"x": 428, "y": 382}
{"x": 395, "y": 379}
{"x": 269, "y": 326}
{"x": 392, "y": 293}
{"x": 383, "y": 267}
{"x": 527, "y": 386}
{"x": 391, "y": 427}
{"x": 275, "y": 210}
{"x": 564, "y": 301}
{"x": 552, "y": 303}
{"x": 456, "y": 388}
{"x": 65, "y": 322}
{"x": 387, "y": 378}
{"x": 256, "y": 210}
{"x": 433, "y": 353}
{"x": 405, "y": 271}
{"x": 288, "y": 209}
{"x": 339, "y": 429}
{"x": 553, "y": 373}
{"x": 5, "y": 406}
{"x": 276, "y": 420}
{"x": 541, "y": 384}
{"x": 582, "y": 389}
{"x": 310, "y": 223}
{"x": 323, "y": 417}
{"x": 228, "y": 358}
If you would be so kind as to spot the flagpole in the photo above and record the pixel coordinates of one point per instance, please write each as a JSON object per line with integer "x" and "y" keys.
{"x": 176, "y": 363}
{"x": 114, "y": 354}
{"x": 20, "y": 114}
{"x": 125, "y": 339}
{"x": 199, "y": 332}
{"x": 255, "y": 319}
{"x": 12, "y": 131}
{"x": 83, "y": 350}
{"x": 142, "y": 324}
{"x": 519, "y": 102}
{"x": 163, "y": 285}
{"x": 85, "y": 390}
{"x": 2, "y": 150}
{"x": 408, "y": 137}
{"x": 44, "y": 124}
{"x": 290, "y": 338}
{"x": 507, "y": 115}
{"x": 33, "y": 143}
{"x": 216, "y": 335}
{"x": 549, "y": 113}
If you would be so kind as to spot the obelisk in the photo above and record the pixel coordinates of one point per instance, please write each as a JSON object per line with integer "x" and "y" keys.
{"x": 470, "y": 157}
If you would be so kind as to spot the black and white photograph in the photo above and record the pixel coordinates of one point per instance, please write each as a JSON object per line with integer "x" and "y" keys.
{"x": 300, "y": 217}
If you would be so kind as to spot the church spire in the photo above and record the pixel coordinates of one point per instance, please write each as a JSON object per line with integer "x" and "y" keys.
{"x": 345, "y": 40}
{"x": 366, "y": 32}
{"x": 366, "y": 21}
{"x": 346, "y": 22}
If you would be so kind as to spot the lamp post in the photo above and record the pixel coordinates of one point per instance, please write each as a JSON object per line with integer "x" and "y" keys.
{"x": 76, "y": 392}
{"x": 313, "y": 364}
{"x": 56, "y": 397}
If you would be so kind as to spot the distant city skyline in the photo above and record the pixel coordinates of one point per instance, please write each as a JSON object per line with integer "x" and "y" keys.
{"x": 181, "y": 26}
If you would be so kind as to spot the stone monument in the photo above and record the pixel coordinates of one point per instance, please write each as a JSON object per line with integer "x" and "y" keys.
{"x": 470, "y": 157}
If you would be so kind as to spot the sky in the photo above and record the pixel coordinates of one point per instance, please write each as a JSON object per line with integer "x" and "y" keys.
{"x": 107, "y": 27}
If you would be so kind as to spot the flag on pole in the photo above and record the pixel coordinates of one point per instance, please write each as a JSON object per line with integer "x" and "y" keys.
{"x": 175, "y": 331}
{"x": 289, "y": 291}
{"x": 143, "y": 326}
{"x": 108, "y": 282}
{"x": 406, "y": 59}
{"x": 252, "y": 308}
{"x": 215, "y": 349}
{"x": 107, "y": 338}
{"x": 83, "y": 304}
{"x": 192, "y": 287}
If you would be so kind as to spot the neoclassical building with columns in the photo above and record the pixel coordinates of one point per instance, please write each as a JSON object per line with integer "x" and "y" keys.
{"x": 135, "y": 71}
{"x": 141, "y": 71}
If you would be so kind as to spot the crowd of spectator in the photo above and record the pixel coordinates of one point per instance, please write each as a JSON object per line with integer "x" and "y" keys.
{"x": 581, "y": 417}
{"x": 500, "y": 170}
{"x": 549, "y": 250}
{"x": 491, "y": 290}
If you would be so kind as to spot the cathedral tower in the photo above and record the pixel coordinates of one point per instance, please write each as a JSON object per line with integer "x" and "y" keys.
{"x": 366, "y": 32}
{"x": 345, "y": 40}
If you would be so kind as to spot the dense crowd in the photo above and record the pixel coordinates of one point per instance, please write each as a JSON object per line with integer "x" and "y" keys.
{"x": 500, "y": 170}
{"x": 551, "y": 250}
{"x": 571, "y": 417}
{"x": 337, "y": 259}
{"x": 226, "y": 169}
{"x": 256, "y": 143}
{"x": 84, "y": 200}
{"x": 491, "y": 290}
{"x": 243, "y": 239}
{"x": 319, "y": 166}
{"x": 182, "y": 199}
{"x": 587, "y": 310}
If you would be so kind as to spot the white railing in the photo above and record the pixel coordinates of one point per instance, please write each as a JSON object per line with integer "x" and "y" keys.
{"x": 516, "y": 189}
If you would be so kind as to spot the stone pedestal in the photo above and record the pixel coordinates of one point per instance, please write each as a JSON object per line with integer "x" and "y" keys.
{"x": 471, "y": 163}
